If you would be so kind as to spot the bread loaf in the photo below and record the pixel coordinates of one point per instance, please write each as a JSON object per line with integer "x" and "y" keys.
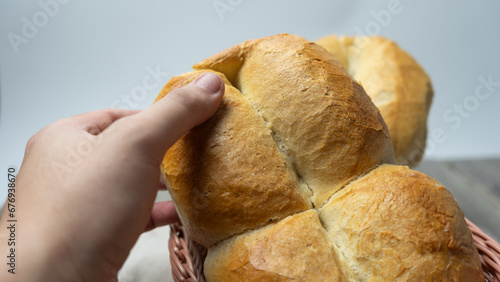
{"x": 293, "y": 178}
{"x": 397, "y": 84}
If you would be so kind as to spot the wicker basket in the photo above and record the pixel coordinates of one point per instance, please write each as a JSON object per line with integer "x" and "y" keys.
{"x": 187, "y": 257}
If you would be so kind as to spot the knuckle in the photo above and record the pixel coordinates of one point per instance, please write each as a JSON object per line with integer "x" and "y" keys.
{"x": 32, "y": 141}
{"x": 42, "y": 134}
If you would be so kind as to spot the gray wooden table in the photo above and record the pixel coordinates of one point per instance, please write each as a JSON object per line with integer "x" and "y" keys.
{"x": 476, "y": 187}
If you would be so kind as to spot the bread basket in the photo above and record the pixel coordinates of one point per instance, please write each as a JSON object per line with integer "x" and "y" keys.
{"x": 187, "y": 257}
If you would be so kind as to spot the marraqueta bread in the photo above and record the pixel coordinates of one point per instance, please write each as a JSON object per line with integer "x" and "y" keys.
{"x": 395, "y": 82}
{"x": 294, "y": 178}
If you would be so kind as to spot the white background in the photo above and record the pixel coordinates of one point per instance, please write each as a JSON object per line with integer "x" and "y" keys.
{"x": 90, "y": 55}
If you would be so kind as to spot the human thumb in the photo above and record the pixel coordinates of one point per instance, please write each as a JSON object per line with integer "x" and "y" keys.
{"x": 158, "y": 127}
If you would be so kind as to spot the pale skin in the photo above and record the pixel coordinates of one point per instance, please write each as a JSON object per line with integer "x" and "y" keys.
{"x": 78, "y": 220}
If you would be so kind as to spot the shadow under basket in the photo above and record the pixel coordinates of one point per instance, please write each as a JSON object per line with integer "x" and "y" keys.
{"x": 187, "y": 257}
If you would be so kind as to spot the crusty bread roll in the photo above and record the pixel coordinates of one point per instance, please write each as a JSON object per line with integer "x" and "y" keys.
{"x": 292, "y": 178}
{"x": 220, "y": 172}
{"x": 267, "y": 254}
{"x": 399, "y": 224}
{"x": 397, "y": 84}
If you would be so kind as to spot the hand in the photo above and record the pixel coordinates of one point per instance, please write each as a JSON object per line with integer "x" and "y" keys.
{"x": 87, "y": 184}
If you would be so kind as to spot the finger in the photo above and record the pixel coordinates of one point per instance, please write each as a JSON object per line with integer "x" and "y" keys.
{"x": 162, "y": 186}
{"x": 158, "y": 127}
{"x": 97, "y": 121}
{"x": 163, "y": 213}
{"x": 89, "y": 123}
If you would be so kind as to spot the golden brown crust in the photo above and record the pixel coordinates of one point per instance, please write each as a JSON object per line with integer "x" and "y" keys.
{"x": 399, "y": 224}
{"x": 301, "y": 128}
{"x": 221, "y": 185}
{"x": 295, "y": 249}
{"x": 397, "y": 84}
{"x": 323, "y": 119}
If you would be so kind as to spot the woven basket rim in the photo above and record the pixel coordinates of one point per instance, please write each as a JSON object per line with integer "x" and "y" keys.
{"x": 187, "y": 257}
